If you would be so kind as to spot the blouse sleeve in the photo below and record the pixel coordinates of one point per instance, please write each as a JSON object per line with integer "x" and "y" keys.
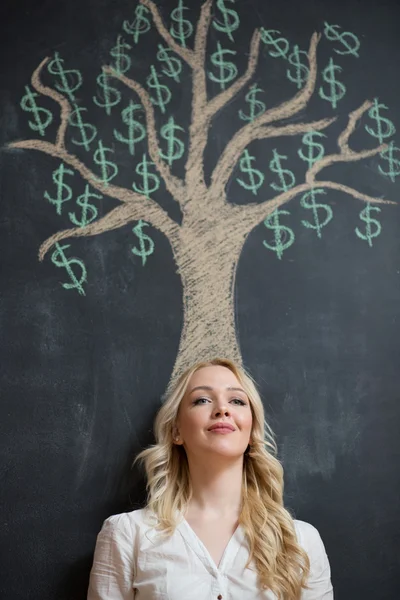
{"x": 319, "y": 582}
{"x": 112, "y": 574}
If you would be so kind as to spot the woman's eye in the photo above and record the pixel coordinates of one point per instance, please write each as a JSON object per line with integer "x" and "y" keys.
{"x": 239, "y": 401}
{"x": 201, "y": 401}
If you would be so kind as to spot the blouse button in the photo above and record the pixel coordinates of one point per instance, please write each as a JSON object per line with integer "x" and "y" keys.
{"x": 219, "y": 597}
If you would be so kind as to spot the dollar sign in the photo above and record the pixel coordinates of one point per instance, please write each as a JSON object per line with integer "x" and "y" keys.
{"x": 301, "y": 71}
{"x": 315, "y": 150}
{"x": 136, "y": 131}
{"x": 42, "y": 116}
{"x": 281, "y": 241}
{"x": 173, "y": 65}
{"x": 109, "y": 170}
{"x": 280, "y": 45}
{"x": 109, "y": 96}
{"x": 176, "y": 147}
{"x": 384, "y": 127}
{"x": 163, "y": 94}
{"x": 150, "y": 181}
{"x": 182, "y": 29}
{"x": 350, "y": 41}
{"x": 256, "y": 106}
{"x": 286, "y": 177}
{"x": 143, "y": 252}
{"x": 336, "y": 89}
{"x": 256, "y": 178}
{"x": 83, "y": 202}
{"x": 122, "y": 60}
{"x": 227, "y": 70}
{"x": 140, "y": 25}
{"x": 394, "y": 163}
{"x": 230, "y": 17}
{"x": 88, "y": 132}
{"x": 365, "y": 215}
{"x": 64, "y": 192}
{"x": 55, "y": 67}
{"x": 60, "y": 260}
{"x": 308, "y": 201}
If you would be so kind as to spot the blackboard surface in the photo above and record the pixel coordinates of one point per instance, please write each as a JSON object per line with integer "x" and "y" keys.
{"x": 83, "y": 368}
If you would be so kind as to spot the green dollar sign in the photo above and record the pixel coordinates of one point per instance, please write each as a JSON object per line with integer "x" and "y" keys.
{"x": 88, "y": 132}
{"x": 256, "y": 107}
{"x": 256, "y": 178}
{"x": 230, "y": 18}
{"x": 281, "y": 240}
{"x": 182, "y": 29}
{"x": 55, "y": 67}
{"x": 108, "y": 96}
{"x": 109, "y": 170}
{"x": 42, "y": 116}
{"x": 136, "y": 131}
{"x": 308, "y": 201}
{"x": 394, "y": 163}
{"x": 175, "y": 146}
{"x": 315, "y": 150}
{"x": 336, "y": 89}
{"x": 143, "y": 252}
{"x": 122, "y": 60}
{"x": 163, "y": 94}
{"x": 83, "y": 202}
{"x": 140, "y": 25}
{"x": 286, "y": 177}
{"x": 64, "y": 192}
{"x": 349, "y": 41}
{"x": 384, "y": 126}
{"x": 280, "y": 45}
{"x": 299, "y": 74}
{"x": 365, "y": 215}
{"x": 173, "y": 65}
{"x": 60, "y": 260}
{"x": 150, "y": 181}
{"x": 227, "y": 70}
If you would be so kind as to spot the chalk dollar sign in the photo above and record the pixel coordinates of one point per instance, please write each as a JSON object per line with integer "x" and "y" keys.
{"x": 60, "y": 260}
{"x": 256, "y": 107}
{"x": 299, "y": 73}
{"x": 88, "y": 132}
{"x": 230, "y": 19}
{"x": 283, "y": 236}
{"x": 140, "y": 25}
{"x": 175, "y": 147}
{"x": 182, "y": 29}
{"x": 384, "y": 126}
{"x": 70, "y": 80}
{"x": 336, "y": 89}
{"x": 286, "y": 177}
{"x": 109, "y": 170}
{"x": 42, "y": 116}
{"x": 393, "y": 163}
{"x": 108, "y": 96}
{"x": 279, "y": 45}
{"x": 136, "y": 131}
{"x": 350, "y": 43}
{"x": 173, "y": 66}
{"x": 64, "y": 192}
{"x": 314, "y": 150}
{"x": 89, "y": 211}
{"x": 308, "y": 201}
{"x": 145, "y": 242}
{"x": 369, "y": 234}
{"x": 150, "y": 181}
{"x": 122, "y": 59}
{"x": 162, "y": 93}
{"x": 255, "y": 177}
{"x": 227, "y": 70}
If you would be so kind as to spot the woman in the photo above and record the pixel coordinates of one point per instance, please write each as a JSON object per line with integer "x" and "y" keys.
{"x": 215, "y": 526}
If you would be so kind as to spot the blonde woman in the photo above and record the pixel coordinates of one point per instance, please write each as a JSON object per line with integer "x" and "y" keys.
{"x": 214, "y": 527}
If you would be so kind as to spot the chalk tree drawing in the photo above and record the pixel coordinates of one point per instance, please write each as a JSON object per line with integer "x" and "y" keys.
{"x": 207, "y": 243}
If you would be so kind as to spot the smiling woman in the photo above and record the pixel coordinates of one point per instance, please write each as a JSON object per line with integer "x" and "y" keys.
{"x": 215, "y": 525}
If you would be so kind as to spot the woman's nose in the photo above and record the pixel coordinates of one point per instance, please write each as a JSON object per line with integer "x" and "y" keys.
{"x": 221, "y": 409}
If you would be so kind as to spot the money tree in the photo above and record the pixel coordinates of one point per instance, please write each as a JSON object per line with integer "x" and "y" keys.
{"x": 207, "y": 241}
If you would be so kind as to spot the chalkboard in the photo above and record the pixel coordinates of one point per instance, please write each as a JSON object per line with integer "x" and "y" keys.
{"x": 180, "y": 180}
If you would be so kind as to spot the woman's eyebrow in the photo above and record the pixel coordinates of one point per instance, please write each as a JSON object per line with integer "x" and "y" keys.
{"x": 209, "y": 388}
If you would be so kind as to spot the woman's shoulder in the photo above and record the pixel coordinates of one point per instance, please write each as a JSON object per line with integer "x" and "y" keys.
{"x": 309, "y": 538}
{"x": 128, "y": 521}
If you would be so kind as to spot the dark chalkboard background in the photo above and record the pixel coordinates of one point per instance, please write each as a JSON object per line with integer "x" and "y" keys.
{"x": 82, "y": 376}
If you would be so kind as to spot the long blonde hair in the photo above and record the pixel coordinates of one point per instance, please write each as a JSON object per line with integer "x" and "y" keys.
{"x": 281, "y": 563}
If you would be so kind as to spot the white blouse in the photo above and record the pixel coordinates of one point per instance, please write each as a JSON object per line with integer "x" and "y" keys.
{"x": 132, "y": 561}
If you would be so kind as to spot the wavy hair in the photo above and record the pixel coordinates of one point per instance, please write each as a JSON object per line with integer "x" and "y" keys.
{"x": 281, "y": 563}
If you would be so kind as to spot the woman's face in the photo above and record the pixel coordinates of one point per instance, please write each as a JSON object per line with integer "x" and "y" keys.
{"x": 214, "y": 414}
